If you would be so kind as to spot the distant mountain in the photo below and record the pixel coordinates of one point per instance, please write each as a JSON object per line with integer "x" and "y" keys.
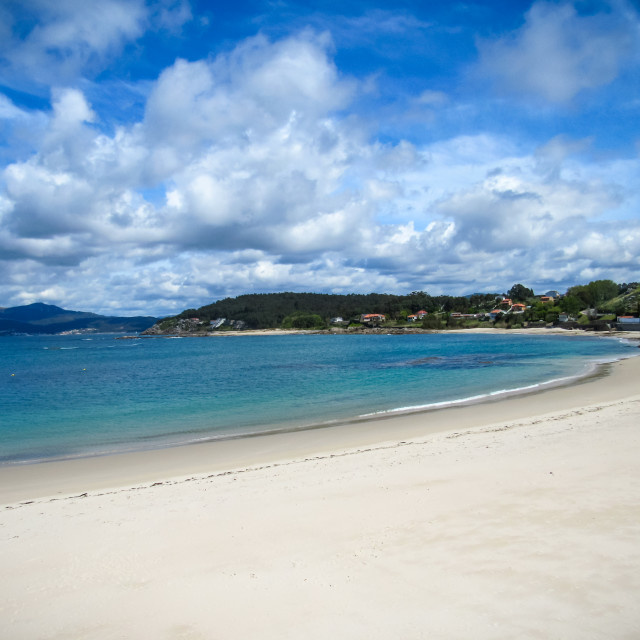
{"x": 47, "y": 318}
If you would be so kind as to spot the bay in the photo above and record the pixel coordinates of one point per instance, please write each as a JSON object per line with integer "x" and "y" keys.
{"x": 79, "y": 395}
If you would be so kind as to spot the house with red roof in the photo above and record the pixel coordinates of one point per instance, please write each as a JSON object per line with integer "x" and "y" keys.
{"x": 417, "y": 316}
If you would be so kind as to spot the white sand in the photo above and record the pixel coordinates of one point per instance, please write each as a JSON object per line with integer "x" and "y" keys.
{"x": 514, "y": 519}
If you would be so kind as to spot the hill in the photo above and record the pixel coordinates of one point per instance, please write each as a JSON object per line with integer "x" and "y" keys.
{"x": 589, "y": 305}
{"x": 46, "y": 318}
{"x": 314, "y": 310}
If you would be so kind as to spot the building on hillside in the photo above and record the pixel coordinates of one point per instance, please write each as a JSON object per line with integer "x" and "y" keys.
{"x": 372, "y": 318}
{"x": 546, "y": 299}
{"x": 628, "y": 323}
{"x": 420, "y": 315}
{"x": 518, "y": 307}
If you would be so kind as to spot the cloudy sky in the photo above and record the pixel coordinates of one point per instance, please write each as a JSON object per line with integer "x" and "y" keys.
{"x": 157, "y": 155}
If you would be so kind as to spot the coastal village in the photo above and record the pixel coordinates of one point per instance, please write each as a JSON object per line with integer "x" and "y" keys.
{"x": 598, "y": 306}
{"x": 507, "y": 307}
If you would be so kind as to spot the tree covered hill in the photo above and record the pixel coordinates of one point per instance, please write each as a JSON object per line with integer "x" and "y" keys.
{"x": 270, "y": 310}
{"x": 315, "y": 310}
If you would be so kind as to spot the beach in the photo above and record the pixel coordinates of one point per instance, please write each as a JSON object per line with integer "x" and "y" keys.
{"x": 513, "y": 518}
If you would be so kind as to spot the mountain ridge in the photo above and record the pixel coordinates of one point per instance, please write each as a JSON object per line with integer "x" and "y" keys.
{"x": 42, "y": 318}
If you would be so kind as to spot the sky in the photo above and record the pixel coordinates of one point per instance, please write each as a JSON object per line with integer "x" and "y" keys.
{"x": 158, "y": 155}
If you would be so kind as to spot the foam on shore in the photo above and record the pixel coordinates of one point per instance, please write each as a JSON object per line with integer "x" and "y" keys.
{"x": 57, "y": 478}
{"x": 509, "y": 519}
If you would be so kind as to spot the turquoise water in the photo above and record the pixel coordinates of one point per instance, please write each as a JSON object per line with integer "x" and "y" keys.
{"x": 66, "y": 396}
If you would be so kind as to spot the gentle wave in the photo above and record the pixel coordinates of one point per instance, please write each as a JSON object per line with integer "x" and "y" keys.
{"x": 179, "y": 393}
{"x": 495, "y": 394}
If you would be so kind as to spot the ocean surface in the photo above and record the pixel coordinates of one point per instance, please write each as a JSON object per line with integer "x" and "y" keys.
{"x": 82, "y": 395}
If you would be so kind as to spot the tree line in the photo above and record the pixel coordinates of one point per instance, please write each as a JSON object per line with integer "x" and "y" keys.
{"x": 314, "y": 310}
{"x": 289, "y": 309}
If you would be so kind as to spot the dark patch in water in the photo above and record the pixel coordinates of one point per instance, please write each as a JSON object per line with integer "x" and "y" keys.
{"x": 427, "y": 360}
{"x": 471, "y": 361}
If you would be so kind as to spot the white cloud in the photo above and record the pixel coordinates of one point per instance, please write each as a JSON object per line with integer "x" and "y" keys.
{"x": 247, "y": 174}
{"x": 257, "y": 89}
{"x": 507, "y": 213}
{"x": 558, "y": 53}
{"x": 70, "y": 109}
{"x": 70, "y": 36}
{"x": 8, "y": 110}
{"x": 67, "y": 38}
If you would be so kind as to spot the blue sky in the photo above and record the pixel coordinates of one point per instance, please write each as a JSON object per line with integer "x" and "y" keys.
{"x": 159, "y": 155}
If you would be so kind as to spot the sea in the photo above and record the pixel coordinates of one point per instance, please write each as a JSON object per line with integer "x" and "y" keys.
{"x": 68, "y": 396}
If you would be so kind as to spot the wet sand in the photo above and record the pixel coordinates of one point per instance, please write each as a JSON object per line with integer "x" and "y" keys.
{"x": 514, "y": 518}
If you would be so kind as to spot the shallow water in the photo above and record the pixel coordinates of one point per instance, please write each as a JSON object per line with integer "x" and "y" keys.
{"x": 66, "y": 396}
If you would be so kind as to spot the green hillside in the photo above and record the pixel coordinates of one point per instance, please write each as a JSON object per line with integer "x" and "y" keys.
{"x": 315, "y": 310}
{"x": 319, "y": 311}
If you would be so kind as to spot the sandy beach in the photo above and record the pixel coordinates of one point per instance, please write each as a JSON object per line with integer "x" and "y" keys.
{"x": 518, "y": 518}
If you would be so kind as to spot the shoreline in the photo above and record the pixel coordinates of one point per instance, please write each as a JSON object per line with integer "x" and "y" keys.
{"x": 54, "y": 478}
{"x": 508, "y": 519}
{"x": 174, "y": 441}
{"x": 408, "y": 330}
{"x": 593, "y": 370}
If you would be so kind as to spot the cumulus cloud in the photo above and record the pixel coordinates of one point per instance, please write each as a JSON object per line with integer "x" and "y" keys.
{"x": 239, "y": 165}
{"x": 558, "y": 52}
{"x": 259, "y": 88}
{"x": 506, "y": 213}
{"x": 67, "y": 38}
{"x": 248, "y": 172}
